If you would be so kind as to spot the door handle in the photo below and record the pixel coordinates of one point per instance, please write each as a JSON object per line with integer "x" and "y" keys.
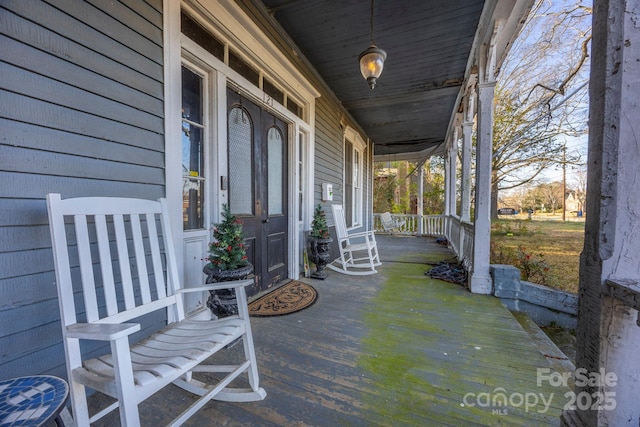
{"x": 265, "y": 221}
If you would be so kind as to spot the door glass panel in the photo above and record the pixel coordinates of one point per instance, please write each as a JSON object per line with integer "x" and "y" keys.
{"x": 192, "y": 151}
{"x": 300, "y": 176}
{"x": 275, "y": 145}
{"x": 348, "y": 183}
{"x": 192, "y": 161}
{"x": 240, "y": 162}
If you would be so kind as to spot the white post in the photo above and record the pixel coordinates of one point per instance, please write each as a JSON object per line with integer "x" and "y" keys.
{"x": 608, "y": 337}
{"x": 453, "y": 165}
{"x": 467, "y": 128}
{"x": 421, "y": 200}
{"x": 480, "y": 281}
{"x": 447, "y": 180}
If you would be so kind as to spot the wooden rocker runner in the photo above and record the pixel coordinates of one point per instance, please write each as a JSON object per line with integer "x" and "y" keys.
{"x": 358, "y": 251}
{"x": 127, "y": 269}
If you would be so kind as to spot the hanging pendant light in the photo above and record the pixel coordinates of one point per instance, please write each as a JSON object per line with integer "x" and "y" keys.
{"x": 372, "y": 60}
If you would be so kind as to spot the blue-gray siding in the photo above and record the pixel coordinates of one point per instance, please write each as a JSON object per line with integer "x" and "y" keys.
{"x": 81, "y": 113}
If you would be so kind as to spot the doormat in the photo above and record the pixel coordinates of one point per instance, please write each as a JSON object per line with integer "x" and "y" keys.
{"x": 292, "y": 297}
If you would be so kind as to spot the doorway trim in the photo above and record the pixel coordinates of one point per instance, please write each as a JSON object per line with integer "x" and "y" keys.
{"x": 225, "y": 20}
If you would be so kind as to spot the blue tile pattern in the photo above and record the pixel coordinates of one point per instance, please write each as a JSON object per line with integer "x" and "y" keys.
{"x": 31, "y": 401}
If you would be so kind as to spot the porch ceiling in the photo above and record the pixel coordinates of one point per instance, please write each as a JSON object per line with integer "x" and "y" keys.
{"x": 428, "y": 44}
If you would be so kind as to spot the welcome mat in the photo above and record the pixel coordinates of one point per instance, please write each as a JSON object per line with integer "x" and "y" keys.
{"x": 292, "y": 297}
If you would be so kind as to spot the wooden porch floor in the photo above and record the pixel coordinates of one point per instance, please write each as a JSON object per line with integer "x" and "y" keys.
{"x": 392, "y": 349}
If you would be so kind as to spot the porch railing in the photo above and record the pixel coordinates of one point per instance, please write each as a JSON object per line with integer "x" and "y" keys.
{"x": 432, "y": 225}
{"x": 458, "y": 233}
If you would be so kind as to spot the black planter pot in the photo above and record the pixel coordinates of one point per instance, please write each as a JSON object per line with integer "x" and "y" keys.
{"x": 319, "y": 254}
{"x": 222, "y": 302}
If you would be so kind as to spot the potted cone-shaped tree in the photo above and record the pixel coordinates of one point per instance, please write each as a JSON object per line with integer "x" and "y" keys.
{"x": 227, "y": 261}
{"x": 319, "y": 243}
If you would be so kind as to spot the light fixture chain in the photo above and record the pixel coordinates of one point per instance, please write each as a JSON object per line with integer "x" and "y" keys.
{"x": 372, "y": 40}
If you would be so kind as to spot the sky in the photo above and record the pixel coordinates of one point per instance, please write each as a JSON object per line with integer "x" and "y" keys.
{"x": 562, "y": 42}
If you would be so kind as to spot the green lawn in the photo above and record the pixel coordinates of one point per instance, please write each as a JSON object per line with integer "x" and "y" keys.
{"x": 548, "y": 242}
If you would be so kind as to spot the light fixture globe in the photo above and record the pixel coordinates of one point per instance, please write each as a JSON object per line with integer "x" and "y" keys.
{"x": 372, "y": 63}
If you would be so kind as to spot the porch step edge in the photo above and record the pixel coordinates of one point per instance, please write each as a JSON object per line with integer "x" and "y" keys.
{"x": 555, "y": 357}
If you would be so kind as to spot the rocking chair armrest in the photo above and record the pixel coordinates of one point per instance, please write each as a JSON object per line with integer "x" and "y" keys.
{"x": 361, "y": 234}
{"x": 101, "y": 331}
{"x": 219, "y": 285}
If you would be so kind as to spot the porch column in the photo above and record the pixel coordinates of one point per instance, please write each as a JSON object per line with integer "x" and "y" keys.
{"x": 453, "y": 166}
{"x": 421, "y": 199}
{"x": 608, "y": 333}
{"x": 447, "y": 180}
{"x": 480, "y": 282}
{"x": 467, "y": 128}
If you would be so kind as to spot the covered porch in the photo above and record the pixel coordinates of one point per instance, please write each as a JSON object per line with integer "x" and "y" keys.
{"x": 396, "y": 348}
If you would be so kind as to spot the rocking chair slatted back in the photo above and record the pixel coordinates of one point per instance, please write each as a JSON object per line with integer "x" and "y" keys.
{"x": 389, "y": 223}
{"x": 116, "y": 251}
{"x": 112, "y": 251}
{"x": 350, "y": 244}
{"x": 340, "y": 223}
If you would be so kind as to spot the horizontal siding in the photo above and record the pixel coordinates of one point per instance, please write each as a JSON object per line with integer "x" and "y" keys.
{"x": 22, "y": 238}
{"x": 22, "y": 290}
{"x": 34, "y": 161}
{"x": 328, "y": 149}
{"x": 151, "y": 10}
{"x": 96, "y": 31}
{"x": 48, "y": 361}
{"x": 28, "y": 135}
{"x": 26, "y": 109}
{"x": 59, "y": 70}
{"x": 82, "y": 113}
{"x": 20, "y": 212}
{"x": 93, "y": 61}
{"x": 38, "y": 186}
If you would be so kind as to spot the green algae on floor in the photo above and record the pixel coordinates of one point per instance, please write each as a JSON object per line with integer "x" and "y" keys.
{"x": 438, "y": 355}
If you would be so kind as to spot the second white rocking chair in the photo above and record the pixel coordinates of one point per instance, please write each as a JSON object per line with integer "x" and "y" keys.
{"x": 347, "y": 263}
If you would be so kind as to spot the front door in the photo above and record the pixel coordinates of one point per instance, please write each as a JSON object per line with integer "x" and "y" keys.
{"x": 257, "y": 153}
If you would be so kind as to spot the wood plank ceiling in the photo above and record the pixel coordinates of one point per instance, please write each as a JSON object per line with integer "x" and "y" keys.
{"x": 428, "y": 43}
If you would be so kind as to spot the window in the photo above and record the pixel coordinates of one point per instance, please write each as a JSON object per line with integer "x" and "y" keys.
{"x": 241, "y": 178}
{"x": 271, "y": 90}
{"x": 353, "y": 157}
{"x": 198, "y": 34}
{"x": 294, "y": 107}
{"x": 243, "y": 68}
{"x": 193, "y": 130}
{"x": 196, "y": 31}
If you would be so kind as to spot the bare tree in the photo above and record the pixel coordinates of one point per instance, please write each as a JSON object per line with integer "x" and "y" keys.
{"x": 580, "y": 188}
{"x": 552, "y": 194}
{"x": 542, "y": 94}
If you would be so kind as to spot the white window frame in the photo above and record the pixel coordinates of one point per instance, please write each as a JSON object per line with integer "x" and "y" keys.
{"x": 357, "y": 197}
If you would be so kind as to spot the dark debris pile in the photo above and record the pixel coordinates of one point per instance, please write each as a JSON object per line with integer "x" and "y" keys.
{"x": 448, "y": 271}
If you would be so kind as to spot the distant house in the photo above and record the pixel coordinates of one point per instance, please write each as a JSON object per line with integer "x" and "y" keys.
{"x": 572, "y": 204}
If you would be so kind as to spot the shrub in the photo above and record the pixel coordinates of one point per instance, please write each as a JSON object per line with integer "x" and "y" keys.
{"x": 533, "y": 267}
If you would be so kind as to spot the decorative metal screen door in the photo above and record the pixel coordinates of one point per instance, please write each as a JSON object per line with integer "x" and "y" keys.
{"x": 257, "y": 153}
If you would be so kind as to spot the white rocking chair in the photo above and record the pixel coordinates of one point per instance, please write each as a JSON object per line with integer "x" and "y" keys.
{"x": 347, "y": 263}
{"x": 115, "y": 262}
{"x": 390, "y": 224}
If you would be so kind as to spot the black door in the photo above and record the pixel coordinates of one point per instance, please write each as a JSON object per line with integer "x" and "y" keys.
{"x": 257, "y": 153}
